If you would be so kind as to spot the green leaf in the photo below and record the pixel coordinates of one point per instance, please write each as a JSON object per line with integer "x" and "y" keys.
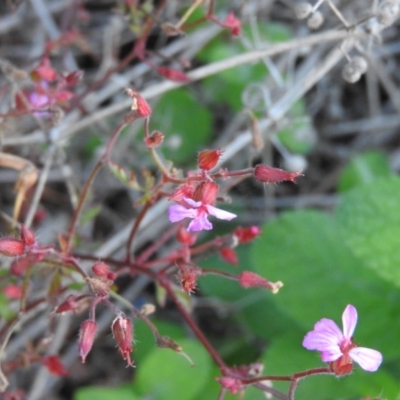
{"x": 364, "y": 168}
{"x": 185, "y": 122}
{"x": 321, "y": 275}
{"x": 166, "y": 375}
{"x": 369, "y": 219}
{"x": 124, "y": 392}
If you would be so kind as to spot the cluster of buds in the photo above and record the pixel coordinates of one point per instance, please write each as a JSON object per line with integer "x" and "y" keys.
{"x": 102, "y": 280}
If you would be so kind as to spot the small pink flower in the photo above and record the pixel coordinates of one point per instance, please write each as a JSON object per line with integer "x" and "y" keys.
{"x": 199, "y": 209}
{"x": 337, "y": 347}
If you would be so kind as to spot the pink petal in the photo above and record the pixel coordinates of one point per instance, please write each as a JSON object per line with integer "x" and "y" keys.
{"x": 220, "y": 214}
{"x": 176, "y": 213}
{"x": 331, "y": 355}
{"x": 326, "y": 337}
{"x": 368, "y": 359}
{"x": 191, "y": 202}
{"x": 200, "y": 223}
{"x": 349, "y": 319}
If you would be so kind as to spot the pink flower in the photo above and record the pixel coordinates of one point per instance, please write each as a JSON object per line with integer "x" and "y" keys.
{"x": 199, "y": 213}
{"x": 199, "y": 207}
{"x": 337, "y": 347}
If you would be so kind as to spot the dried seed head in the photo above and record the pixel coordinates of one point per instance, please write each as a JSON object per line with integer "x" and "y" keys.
{"x": 316, "y": 20}
{"x": 302, "y": 10}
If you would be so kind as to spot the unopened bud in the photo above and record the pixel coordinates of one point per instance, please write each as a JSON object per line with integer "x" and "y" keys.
{"x": 249, "y": 279}
{"x": 247, "y": 234}
{"x": 87, "y": 334}
{"x": 316, "y": 20}
{"x": 233, "y": 24}
{"x": 302, "y": 10}
{"x": 122, "y": 330}
{"x": 185, "y": 237}
{"x": 100, "y": 269}
{"x": 13, "y": 291}
{"x": 266, "y": 174}
{"x": 173, "y": 74}
{"x": 229, "y": 255}
{"x": 69, "y": 304}
{"x": 11, "y": 247}
{"x": 55, "y": 366}
{"x": 27, "y": 236}
{"x": 139, "y": 106}
{"x": 234, "y": 385}
{"x": 208, "y": 159}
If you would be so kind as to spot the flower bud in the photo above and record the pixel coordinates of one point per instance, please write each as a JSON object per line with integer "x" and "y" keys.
{"x": 122, "y": 330}
{"x": 233, "y": 24}
{"x": 100, "y": 269}
{"x": 13, "y": 292}
{"x": 247, "y": 234}
{"x": 86, "y": 338}
{"x": 316, "y": 20}
{"x": 231, "y": 384}
{"x": 69, "y": 304}
{"x": 139, "y": 104}
{"x": 55, "y": 366}
{"x": 27, "y": 236}
{"x": 185, "y": 237}
{"x": 249, "y": 279}
{"x": 20, "y": 265}
{"x": 208, "y": 159}
{"x": 302, "y": 10}
{"x": 229, "y": 255}
{"x": 11, "y": 247}
{"x": 264, "y": 173}
{"x": 173, "y": 74}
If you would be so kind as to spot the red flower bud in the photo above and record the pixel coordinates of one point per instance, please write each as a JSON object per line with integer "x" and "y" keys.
{"x": 186, "y": 190}
{"x": 185, "y": 237}
{"x": 250, "y": 279}
{"x": 229, "y": 255}
{"x": 266, "y": 174}
{"x": 173, "y": 74}
{"x": 233, "y": 24}
{"x": 44, "y": 71}
{"x": 247, "y": 234}
{"x": 139, "y": 104}
{"x": 11, "y": 247}
{"x": 111, "y": 276}
{"x": 13, "y": 291}
{"x": 55, "y": 366}
{"x": 69, "y": 304}
{"x": 74, "y": 77}
{"x": 122, "y": 330}
{"x": 208, "y": 159}
{"x": 20, "y": 265}
{"x": 27, "y": 236}
{"x": 86, "y": 338}
{"x": 100, "y": 269}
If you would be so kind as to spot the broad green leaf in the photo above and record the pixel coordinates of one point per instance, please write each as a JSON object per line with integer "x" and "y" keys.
{"x": 166, "y": 375}
{"x": 185, "y": 122}
{"x": 369, "y": 218}
{"x": 321, "y": 275}
{"x": 105, "y": 393}
{"x": 364, "y": 168}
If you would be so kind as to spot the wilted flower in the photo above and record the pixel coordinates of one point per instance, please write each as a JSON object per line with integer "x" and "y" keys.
{"x": 337, "y": 347}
